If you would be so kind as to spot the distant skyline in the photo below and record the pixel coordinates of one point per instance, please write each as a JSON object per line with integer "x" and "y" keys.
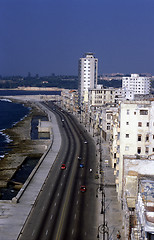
{"x": 49, "y": 36}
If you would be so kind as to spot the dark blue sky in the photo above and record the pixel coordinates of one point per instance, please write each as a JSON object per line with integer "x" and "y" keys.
{"x": 49, "y": 36}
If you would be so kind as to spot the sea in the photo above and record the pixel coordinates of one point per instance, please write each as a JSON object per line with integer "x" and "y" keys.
{"x": 11, "y": 113}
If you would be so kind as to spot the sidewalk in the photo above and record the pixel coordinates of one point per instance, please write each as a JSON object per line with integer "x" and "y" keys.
{"x": 113, "y": 212}
{"x": 112, "y": 206}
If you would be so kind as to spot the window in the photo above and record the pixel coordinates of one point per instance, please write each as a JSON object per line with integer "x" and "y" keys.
{"x": 139, "y": 124}
{"x": 134, "y": 113}
{"x": 153, "y": 136}
{"x": 153, "y": 149}
{"x": 143, "y": 112}
{"x": 108, "y": 116}
{"x": 127, "y": 135}
{"x": 114, "y": 155}
{"x": 139, "y": 137}
{"x": 147, "y": 124}
{"x": 147, "y": 138}
{"x": 127, "y": 123}
{"x": 147, "y": 150}
{"x": 139, "y": 150}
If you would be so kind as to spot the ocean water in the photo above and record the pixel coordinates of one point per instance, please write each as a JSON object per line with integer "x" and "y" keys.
{"x": 10, "y": 114}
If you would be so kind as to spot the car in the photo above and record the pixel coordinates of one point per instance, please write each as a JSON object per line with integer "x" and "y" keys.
{"x": 79, "y": 158}
{"x": 85, "y": 142}
{"x": 63, "y": 166}
{"x": 83, "y": 188}
{"x": 81, "y": 165}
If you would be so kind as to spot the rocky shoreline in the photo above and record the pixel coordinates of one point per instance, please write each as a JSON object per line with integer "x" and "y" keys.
{"x": 21, "y": 145}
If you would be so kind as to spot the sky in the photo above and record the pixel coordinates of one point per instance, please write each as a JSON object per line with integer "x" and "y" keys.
{"x": 49, "y": 36}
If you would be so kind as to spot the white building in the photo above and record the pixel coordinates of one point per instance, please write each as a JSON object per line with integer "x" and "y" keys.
{"x": 88, "y": 67}
{"x": 133, "y": 135}
{"x": 135, "y": 85}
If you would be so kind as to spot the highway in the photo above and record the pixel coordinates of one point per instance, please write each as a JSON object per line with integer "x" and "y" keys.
{"x": 62, "y": 211}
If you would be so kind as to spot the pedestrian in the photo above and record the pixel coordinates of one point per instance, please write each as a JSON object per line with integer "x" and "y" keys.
{"x": 118, "y": 235}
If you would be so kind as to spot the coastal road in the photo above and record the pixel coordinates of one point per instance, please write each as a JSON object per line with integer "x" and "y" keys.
{"x": 62, "y": 211}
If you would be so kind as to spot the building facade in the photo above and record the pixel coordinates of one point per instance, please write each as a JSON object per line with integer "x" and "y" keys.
{"x": 133, "y": 134}
{"x": 100, "y": 96}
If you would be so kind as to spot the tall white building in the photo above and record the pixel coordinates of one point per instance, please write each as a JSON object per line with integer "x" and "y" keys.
{"x": 135, "y": 85}
{"x": 88, "y": 68}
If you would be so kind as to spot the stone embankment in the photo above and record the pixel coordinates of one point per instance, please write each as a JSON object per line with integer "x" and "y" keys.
{"x": 21, "y": 145}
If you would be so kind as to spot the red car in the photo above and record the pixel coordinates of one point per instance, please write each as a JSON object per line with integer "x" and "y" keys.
{"x": 83, "y": 188}
{"x": 63, "y": 167}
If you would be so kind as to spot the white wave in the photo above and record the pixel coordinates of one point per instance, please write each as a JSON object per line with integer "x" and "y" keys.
{"x": 5, "y": 100}
{"x": 1, "y": 132}
{"x": 8, "y": 139}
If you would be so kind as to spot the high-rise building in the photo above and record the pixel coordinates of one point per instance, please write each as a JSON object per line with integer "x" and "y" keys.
{"x": 88, "y": 67}
{"x": 135, "y": 85}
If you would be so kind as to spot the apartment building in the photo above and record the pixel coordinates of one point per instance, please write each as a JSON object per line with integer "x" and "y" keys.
{"x": 105, "y": 120}
{"x": 135, "y": 84}
{"x": 100, "y": 96}
{"x": 87, "y": 76}
{"x": 132, "y": 134}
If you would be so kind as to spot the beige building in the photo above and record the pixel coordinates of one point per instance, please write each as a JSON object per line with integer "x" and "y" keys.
{"x": 100, "y": 96}
{"x": 69, "y": 100}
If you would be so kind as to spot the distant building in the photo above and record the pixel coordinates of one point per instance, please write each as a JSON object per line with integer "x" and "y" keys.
{"x": 135, "y": 85}
{"x": 88, "y": 68}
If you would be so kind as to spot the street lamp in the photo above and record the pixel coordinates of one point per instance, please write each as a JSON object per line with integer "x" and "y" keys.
{"x": 98, "y": 191}
{"x": 103, "y": 229}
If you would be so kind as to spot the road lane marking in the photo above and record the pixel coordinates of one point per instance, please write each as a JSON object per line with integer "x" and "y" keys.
{"x": 59, "y": 231}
